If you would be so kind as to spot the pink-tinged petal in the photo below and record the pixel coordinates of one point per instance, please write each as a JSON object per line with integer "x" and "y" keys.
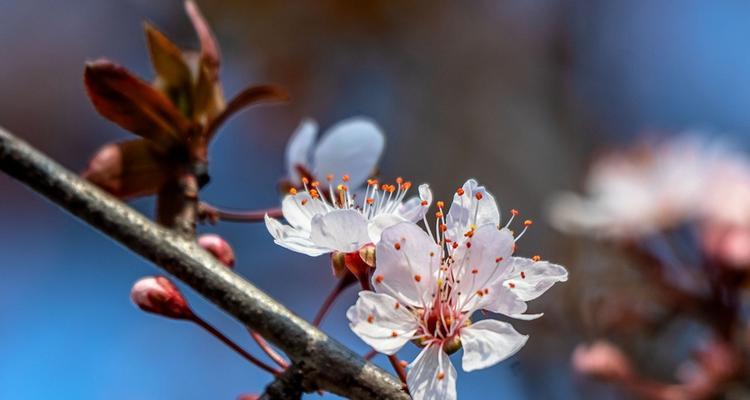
{"x": 381, "y": 322}
{"x": 481, "y": 260}
{"x": 293, "y": 239}
{"x": 299, "y": 210}
{"x": 432, "y": 376}
{"x": 415, "y": 208}
{"x": 380, "y": 223}
{"x": 406, "y": 264}
{"x": 488, "y": 342}
{"x": 341, "y": 230}
{"x": 299, "y": 148}
{"x": 351, "y": 147}
{"x": 472, "y": 206}
{"x": 529, "y": 279}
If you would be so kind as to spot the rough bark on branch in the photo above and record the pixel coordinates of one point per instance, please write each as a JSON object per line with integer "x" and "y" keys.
{"x": 328, "y": 364}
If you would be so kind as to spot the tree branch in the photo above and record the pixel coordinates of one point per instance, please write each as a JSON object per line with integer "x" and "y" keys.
{"x": 328, "y": 364}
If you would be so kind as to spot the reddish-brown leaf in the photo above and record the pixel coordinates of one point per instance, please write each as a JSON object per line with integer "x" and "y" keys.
{"x": 128, "y": 169}
{"x": 133, "y": 104}
{"x": 208, "y": 97}
{"x": 171, "y": 69}
{"x": 248, "y": 97}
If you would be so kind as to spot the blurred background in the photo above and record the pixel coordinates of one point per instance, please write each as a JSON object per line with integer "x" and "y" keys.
{"x": 516, "y": 93}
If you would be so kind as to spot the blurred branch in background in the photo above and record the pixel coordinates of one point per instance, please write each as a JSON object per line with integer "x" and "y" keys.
{"x": 324, "y": 363}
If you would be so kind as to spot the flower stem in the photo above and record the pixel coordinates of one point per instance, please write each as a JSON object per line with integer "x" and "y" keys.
{"x": 214, "y": 214}
{"x": 205, "y": 325}
{"x": 396, "y": 363}
{"x": 268, "y": 350}
{"x": 370, "y": 355}
{"x": 343, "y": 283}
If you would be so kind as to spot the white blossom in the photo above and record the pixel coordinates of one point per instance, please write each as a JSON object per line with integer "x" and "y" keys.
{"x": 427, "y": 286}
{"x": 352, "y": 146}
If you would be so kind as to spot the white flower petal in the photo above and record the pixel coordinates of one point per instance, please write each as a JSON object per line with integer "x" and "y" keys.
{"x": 341, "y": 230}
{"x": 378, "y": 224}
{"x": 432, "y": 375}
{"x": 351, "y": 147}
{"x": 299, "y": 147}
{"x": 488, "y": 342}
{"x": 499, "y": 299}
{"x": 381, "y": 322}
{"x": 407, "y": 262}
{"x": 293, "y": 239}
{"x": 414, "y": 209}
{"x": 468, "y": 211}
{"x": 299, "y": 210}
{"x": 481, "y": 260}
{"x": 529, "y": 279}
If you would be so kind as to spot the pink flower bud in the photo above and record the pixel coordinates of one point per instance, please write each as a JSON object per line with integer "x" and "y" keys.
{"x": 156, "y": 294}
{"x": 219, "y": 247}
{"x": 728, "y": 244}
{"x": 602, "y": 360}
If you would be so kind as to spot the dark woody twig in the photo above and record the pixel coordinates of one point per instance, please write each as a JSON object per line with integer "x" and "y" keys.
{"x": 328, "y": 364}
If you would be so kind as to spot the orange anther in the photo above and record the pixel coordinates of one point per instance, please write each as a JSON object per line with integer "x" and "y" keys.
{"x": 423, "y": 203}
{"x": 455, "y": 245}
{"x": 523, "y": 275}
{"x": 486, "y": 290}
{"x": 460, "y": 191}
{"x": 468, "y": 245}
{"x": 406, "y": 186}
{"x": 345, "y": 178}
{"x": 314, "y": 193}
{"x": 370, "y": 200}
{"x": 439, "y": 214}
{"x": 304, "y": 201}
{"x": 440, "y": 204}
{"x": 475, "y": 271}
{"x": 372, "y": 182}
{"x": 441, "y": 376}
{"x": 536, "y": 258}
{"x": 443, "y": 227}
{"x": 417, "y": 277}
{"x": 370, "y": 318}
{"x": 528, "y": 222}
{"x": 480, "y": 293}
{"x": 478, "y": 195}
{"x": 514, "y": 212}
{"x": 497, "y": 260}
{"x": 399, "y": 180}
{"x": 305, "y": 180}
{"x": 394, "y": 334}
{"x": 397, "y": 306}
{"x": 379, "y": 279}
{"x": 293, "y": 191}
{"x": 511, "y": 285}
{"x": 397, "y": 246}
{"x": 315, "y": 184}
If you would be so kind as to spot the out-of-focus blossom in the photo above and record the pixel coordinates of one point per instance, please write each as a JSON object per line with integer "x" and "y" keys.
{"x": 219, "y": 247}
{"x": 156, "y": 294}
{"x": 175, "y": 117}
{"x": 634, "y": 193}
{"x": 351, "y": 147}
{"x": 323, "y": 220}
{"x": 427, "y": 288}
{"x": 602, "y": 360}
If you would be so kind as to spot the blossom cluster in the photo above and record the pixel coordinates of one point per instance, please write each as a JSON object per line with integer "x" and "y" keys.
{"x": 426, "y": 282}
